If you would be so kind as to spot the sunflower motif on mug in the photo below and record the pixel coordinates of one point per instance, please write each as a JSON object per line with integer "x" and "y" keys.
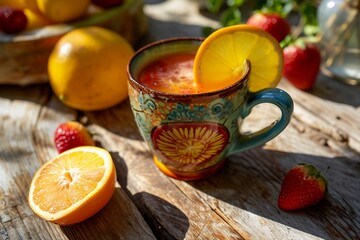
{"x": 189, "y": 143}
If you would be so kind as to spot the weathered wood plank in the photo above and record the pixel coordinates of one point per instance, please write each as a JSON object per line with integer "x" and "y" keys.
{"x": 18, "y": 116}
{"x": 240, "y": 202}
{"x": 28, "y": 120}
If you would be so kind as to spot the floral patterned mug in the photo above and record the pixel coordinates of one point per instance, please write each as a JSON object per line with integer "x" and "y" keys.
{"x": 192, "y": 134}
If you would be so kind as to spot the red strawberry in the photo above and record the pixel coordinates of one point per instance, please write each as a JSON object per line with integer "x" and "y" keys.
{"x": 301, "y": 64}
{"x": 12, "y": 20}
{"x": 303, "y": 186}
{"x": 273, "y": 23}
{"x": 70, "y": 135}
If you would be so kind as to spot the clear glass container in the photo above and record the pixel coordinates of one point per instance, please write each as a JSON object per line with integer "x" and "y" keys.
{"x": 339, "y": 22}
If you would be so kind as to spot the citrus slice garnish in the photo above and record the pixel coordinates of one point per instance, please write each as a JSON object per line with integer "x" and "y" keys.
{"x": 220, "y": 59}
{"x": 73, "y": 186}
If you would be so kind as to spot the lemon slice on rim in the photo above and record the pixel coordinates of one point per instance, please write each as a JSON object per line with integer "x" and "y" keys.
{"x": 220, "y": 59}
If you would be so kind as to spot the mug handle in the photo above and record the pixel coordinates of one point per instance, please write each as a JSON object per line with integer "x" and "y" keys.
{"x": 274, "y": 96}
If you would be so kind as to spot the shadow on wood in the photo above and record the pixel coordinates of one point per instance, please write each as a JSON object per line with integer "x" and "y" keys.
{"x": 253, "y": 186}
{"x": 166, "y": 220}
{"x": 117, "y": 220}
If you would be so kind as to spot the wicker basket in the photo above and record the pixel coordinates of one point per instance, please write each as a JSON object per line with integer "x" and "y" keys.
{"x": 23, "y": 57}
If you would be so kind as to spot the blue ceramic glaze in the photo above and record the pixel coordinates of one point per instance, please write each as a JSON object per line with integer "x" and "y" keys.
{"x": 192, "y": 134}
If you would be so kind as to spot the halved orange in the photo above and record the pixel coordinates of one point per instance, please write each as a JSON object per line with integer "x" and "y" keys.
{"x": 220, "y": 59}
{"x": 73, "y": 186}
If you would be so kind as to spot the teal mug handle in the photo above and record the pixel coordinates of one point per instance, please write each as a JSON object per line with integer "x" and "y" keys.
{"x": 274, "y": 96}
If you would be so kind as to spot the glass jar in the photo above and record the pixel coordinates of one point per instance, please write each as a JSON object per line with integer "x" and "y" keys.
{"x": 339, "y": 23}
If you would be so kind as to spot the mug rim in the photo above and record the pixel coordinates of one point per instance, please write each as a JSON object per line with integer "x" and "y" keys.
{"x": 226, "y": 90}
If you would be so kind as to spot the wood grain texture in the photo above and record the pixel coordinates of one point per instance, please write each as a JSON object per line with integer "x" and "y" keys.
{"x": 239, "y": 202}
{"x": 28, "y": 118}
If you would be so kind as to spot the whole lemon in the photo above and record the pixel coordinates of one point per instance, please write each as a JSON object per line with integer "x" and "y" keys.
{"x": 30, "y": 4}
{"x": 35, "y": 19}
{"x": 63, "y": 10}
{"x": 88, "y": 68}
{"x": 21, "y": 4}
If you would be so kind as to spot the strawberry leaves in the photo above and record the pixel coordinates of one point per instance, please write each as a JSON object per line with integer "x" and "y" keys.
{"x": 230, "y": 11}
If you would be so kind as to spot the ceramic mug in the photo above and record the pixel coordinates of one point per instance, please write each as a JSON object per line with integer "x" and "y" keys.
{"x": 191, "y": 135}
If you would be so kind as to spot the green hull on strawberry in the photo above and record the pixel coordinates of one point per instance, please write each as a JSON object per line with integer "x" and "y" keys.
{"x": 303, "y": 186}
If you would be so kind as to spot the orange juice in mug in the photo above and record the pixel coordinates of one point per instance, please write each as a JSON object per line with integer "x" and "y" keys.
{"x": 171, "y": 74}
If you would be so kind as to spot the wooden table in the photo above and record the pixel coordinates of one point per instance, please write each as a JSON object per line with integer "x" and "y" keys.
{"x": 239, "y": 202}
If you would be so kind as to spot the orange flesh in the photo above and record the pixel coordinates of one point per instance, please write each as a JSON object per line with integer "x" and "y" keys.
{"x": 220, "y": 59}
{"x": 67, "y": 180}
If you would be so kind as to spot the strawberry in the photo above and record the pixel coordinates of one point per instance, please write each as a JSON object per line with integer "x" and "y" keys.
{"x": 12, "y": 20}
{"x": 70, "y": 135}
{"x": 273, "y": 23}
{"x": 301, "y": 64}
{"x": 302, "y": 186}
